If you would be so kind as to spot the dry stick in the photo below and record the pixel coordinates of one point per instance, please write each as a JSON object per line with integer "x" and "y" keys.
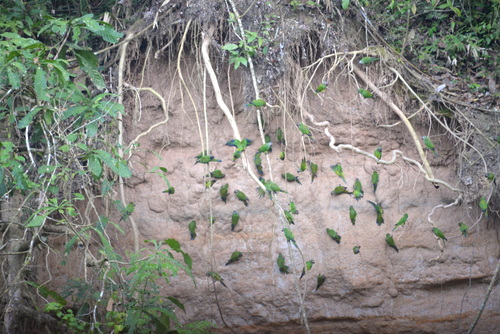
{"x": 401, "y": 115}
{"x": 123, "y": 52}
{"x": 490, "y": 288}
{"x": 261, "y": 131}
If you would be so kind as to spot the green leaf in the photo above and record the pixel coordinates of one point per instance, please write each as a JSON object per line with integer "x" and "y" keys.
{"x": 37, "y": 221}
{"x": 45, "y": 169}
{"x": 106, "y": 187}
{"x": 69, "y": 245}
{"x": 230, "y": 47}
{"x": 74, "y": 111}
{"x": 53, "y": 190}
{"x": 72, "y": 137}
{"x": 457, "y": 11}
{"x": 177, "y": 302}
{"x": 78, "y": 197}
{"x": 243, "y": 60}
{"x": 26, "y": 120}
{"x": 14, "y": 80}
{"x": 123, "y": 170}
{"x": 40, "y": 85}
{"x": 46, "y": 292}
{"x": 91, "y": 129}
{"x": 95, "y": 166}
{"x": 345, "y": 4}
{"x": 89, "y": 63}
{"x": 174, "y": 244}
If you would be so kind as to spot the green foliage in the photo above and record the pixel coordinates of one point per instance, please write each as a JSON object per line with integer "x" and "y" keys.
{"x": 67, "y": 317}
{"x": 57, "y": 148}
{"x": 459, "y": 31}
{"x": 247, "y": 47}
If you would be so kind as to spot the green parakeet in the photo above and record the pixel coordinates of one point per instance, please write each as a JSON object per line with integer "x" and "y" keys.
{"x": 293, "y": 208}
{"x": 352, "y": 214}
{"x": 125, "y": 211}
{"x": 280, "y": 137}
{"x": 390, "y": 241}
{"x": 319, "y": 281}
{"x": 356, "y": 249}
{"x": 305, "y": 130}
{"x": 170, "y": 191}
{"x": 314, "y": 170}
{"x": 242, "y": 197}
{"x": 340, "y": 190}
{"x": 334, "y": 235}
{"x": 438, "y": 233}
{"x": 216, "y": 277}
{"x": 257, "y": 103}
{"x": 290, "y": 177}
{"x": 266, "y": 148}
{"x": 192, "y": 229}
{"x": 497, "y": 139}
{"x": 281, "y": 264}
{"x": 224, "y": 192}
{"x": 209, "y": 183}
{"x": 205, "y": 159}
{"x": 267, "y": 138}
{"x": 288, "y": 216}
{"x": 358, "y": 190}
{"x": 321, "y": 88}
{"x": 491, "y": 177}
{"x": 273, "y": 187}
{"x": 367, "y": 60}
{"x": 211, "y": 220}
{"x": 217, "y": 174}
{"x": 483, "y": 204}
{"x": 375, "y": 181}
{"x": 239, "y": 144}
{"x": 282, "y": 155}
{"x": 401, "y": 222}
{"x": 379, "y": 211}
{"x": 364, "y": 93}
{"x": 235, "y": 256}
{"x": 430, "y": 145}
{"x": 464, "y": 229}
{"x": 235, "y": 217}
{"x": 338, "y": 170}
{"x": 378, "y": 153}
{"x": 258, "y": 163}
{"x": 236, "y": 155}
{"x": 289, "y": 237}
{"x": 232, "y": 142}
{"x": 309, "y": 265}
{"x": 303, "y": 165}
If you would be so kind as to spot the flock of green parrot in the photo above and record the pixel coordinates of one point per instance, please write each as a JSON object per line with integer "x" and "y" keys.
{"x": 273, "y": 188}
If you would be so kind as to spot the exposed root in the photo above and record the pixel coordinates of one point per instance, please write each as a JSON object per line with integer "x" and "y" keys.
{"x": 163, "y": 106}
{"x": 121, "y": 65}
